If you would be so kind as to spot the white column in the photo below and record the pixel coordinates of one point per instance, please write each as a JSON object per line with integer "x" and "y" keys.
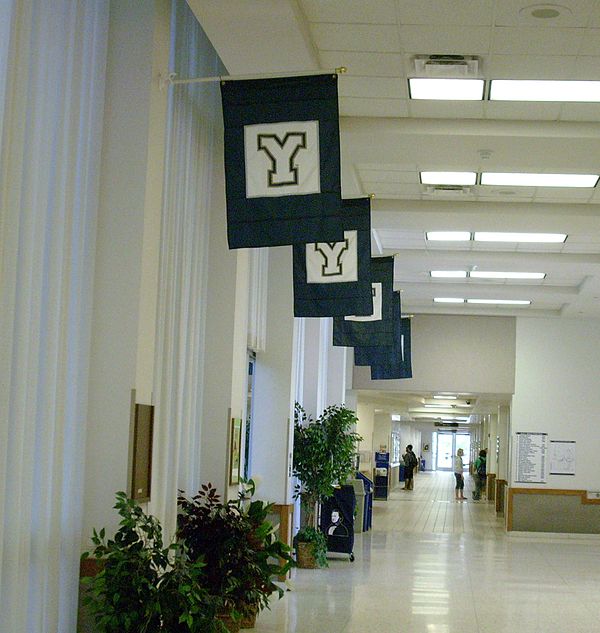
{"x": 125, "y": 283}
{"x": 504, "y": 434}
{"x": 275, "y": 384}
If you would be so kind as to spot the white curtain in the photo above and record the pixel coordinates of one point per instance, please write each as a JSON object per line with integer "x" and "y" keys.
{"x": 193, "y": 115}
{"x": 52, "y": 59}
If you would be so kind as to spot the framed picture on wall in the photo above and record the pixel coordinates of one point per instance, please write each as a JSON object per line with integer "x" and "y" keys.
{"x": 235, "y": 451}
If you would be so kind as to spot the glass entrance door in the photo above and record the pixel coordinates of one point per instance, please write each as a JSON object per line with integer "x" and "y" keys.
{"x": 447, "y": 445}
{"x": 445, "y": 451}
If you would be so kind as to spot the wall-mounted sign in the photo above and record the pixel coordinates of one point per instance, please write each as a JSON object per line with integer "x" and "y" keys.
{"x": 531, "y": 456}
{"x": 562, "y": 457}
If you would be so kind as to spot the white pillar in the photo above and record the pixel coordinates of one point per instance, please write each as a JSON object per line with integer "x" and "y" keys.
{"x": 275, "y": 385}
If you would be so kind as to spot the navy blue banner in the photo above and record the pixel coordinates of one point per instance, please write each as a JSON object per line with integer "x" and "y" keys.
{"x": 282, "y": 161}
{"x": 378, "y": 327}
{"x": 334, "y": 278}
{"x": 381, "y": 354}
{"x": 398, "y": 364}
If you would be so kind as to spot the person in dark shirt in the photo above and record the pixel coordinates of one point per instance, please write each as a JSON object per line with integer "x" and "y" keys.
{"x": 410, "y": 463}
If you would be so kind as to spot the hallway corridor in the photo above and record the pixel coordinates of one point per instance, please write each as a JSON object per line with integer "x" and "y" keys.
{"x": 434, "y": 565}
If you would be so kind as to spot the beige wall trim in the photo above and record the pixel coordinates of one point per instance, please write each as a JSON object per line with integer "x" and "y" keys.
{"x": 544, "y": 491}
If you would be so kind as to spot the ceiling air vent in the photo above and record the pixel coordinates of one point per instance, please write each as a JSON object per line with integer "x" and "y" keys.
{"x": 451, "y": 66}
{"x": 446, "y": 424}
{"x": 454, "y": 190}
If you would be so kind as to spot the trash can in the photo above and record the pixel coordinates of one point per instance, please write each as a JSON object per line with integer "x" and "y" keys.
{"x": 369, "y": 486}
{"x": 361, "y": 507}
{"x": 337, "y": 520}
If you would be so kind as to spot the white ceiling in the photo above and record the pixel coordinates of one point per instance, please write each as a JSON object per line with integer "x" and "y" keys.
{"x": 387, "y": 138}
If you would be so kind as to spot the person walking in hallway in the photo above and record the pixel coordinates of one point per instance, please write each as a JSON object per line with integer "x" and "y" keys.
{"x": 480, "y": 474}
{"x": 458, "y": 475}
{"x": 410, "y": 463}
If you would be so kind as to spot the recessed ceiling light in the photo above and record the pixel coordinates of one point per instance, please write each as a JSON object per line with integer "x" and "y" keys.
{"x": 448, "y": 177}
{"x": 539, "y": 180}
{"x": 504, "y": 302}
{"x": 448, "y": 300}
{"x": 544, "y": 90}
{"x": 448, "y": 236}
{"x": 444, "y": 397}
{"x": 448, "y": 274}
{"x": 434, "y": 406}
{"x": 494, "y": 236}
{"x": 446, "y": 89}
{"x": 483, "y": 274}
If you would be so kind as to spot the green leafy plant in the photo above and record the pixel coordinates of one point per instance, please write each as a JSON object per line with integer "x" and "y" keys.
{"x": 318, "y": 540}
{"x": 324, "y": 451}
{"x": 143, "y": 586}
{"x": 238, "y": 545}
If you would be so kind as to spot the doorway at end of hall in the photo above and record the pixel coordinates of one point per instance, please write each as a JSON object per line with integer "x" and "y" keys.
{"x": 445, "y": 446}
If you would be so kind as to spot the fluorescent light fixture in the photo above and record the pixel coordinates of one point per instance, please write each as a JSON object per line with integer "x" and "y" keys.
{"x": 544, "y": 90}
{"x": 448, "y": 177}
{"x": 500, "y": 302}
{"x": 539, "y": 180}
{"x": 483, "y": 274}
{"x": 448, "y": 300}
{"x": 463, "y": 418}
{"x": 493, "y": 236}
{"x": 448, "y": 236}
{"x": 446, "y": 89}
{"x": 435, "y": 406}
{"x": 448, "y": 274}
{"x": 444, "y": 397}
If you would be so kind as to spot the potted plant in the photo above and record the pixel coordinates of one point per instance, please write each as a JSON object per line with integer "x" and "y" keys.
{"x": 311, "y": 548}
{"x": 239, "y": 547}
{"x": 143, "y": 586}
{"x": 324, "y": 450}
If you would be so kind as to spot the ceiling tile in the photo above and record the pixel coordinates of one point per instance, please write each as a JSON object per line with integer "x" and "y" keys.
{"x": 564, "y": 193}
{"x": 455, "y": 40}
{"x": 379, "y": 11}
{"x": 446, "y": 12}
{"x": 355, "y": 37}
{"x": 515, "y": 13}
{"x": 517, "y": 110}
{"x": 530, "y": 67}
{"x": 531, "y": 41}
{"x": 384, "y": 188}
{"x": 373, "y": 87}
{"x": 446, "y": 109}
{"x": 594, "y": 22}
{"x": 353, "y": 106}
{"x": 587, "y": 67}
{"x": 371, "y": 175}
{"x": 356, "y": 63}
{"x": 591, "y": 42}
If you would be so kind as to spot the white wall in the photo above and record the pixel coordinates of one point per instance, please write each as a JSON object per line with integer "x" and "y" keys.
{"x": 274, "y": 385}
{"x": 556, "y": 391}
{"x": 365, "y": 427}
{"x": 118, "y": 270}
{"x": 455, "y": 353}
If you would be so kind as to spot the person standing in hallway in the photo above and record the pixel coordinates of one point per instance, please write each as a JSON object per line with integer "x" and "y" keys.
{"x": 410, "y": 463}
{"x": 458, "y": 475}
{"x": 480, "y": 474}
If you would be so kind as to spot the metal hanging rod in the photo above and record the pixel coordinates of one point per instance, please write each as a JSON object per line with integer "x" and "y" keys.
{"x": 172, "y": 77}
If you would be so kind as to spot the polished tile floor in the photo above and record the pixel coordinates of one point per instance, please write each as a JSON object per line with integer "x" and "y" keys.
{"x": 434, "y": 565}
